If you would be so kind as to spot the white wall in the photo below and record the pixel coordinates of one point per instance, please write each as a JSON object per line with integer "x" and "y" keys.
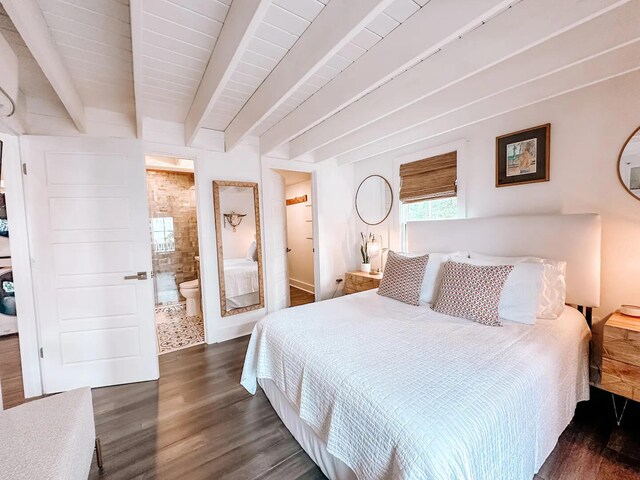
{"x": 236, "y": 244}
{"x": 588, "y": 129}
{"x": 299, "y": 230}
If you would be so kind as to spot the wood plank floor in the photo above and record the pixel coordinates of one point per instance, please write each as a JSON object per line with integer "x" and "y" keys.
{"x": 197, "y": 422}
{"x": 300, "y": 297}
{"x": 11, "y": 371}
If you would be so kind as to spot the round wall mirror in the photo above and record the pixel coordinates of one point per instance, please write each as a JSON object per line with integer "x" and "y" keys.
{"x": 629, "y": 165}
{"x": 374, "y": 200}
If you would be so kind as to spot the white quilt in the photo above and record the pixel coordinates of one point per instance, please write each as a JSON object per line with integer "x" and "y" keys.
{"x": 240, "y": 277}
{"x": 397, "y": 391}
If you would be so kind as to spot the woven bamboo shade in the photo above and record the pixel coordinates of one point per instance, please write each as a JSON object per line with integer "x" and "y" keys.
{"x": 433, "y": 177}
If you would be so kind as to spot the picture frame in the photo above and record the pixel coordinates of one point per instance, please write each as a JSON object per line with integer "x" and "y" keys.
{"x": 523, "y": 156}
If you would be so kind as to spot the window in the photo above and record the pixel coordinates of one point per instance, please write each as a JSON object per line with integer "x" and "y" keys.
{"x": 437, "y": 209}
{"x": 162, "y": 235}
{"x": 428, "y": 188}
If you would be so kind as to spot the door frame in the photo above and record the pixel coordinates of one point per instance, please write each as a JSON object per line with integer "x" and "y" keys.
{"x": 28, "y": 329}
{"x": 188, "y": 153}
{"x": 273, "y": 163}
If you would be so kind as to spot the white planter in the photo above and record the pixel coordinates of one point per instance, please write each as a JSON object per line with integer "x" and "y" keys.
{"x": 365, "y": 267}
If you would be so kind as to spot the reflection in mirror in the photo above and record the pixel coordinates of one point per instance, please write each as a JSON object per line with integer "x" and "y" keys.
{"x": 629, "y": 165}
{"x": 374, "y": 200}
{"x": 239, "y": 248}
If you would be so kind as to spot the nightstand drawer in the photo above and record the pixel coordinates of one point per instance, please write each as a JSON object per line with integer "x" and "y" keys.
{"x": 355, "y": 282}
{"x": 622, "y": 344}
{"x": 621, "y": 378}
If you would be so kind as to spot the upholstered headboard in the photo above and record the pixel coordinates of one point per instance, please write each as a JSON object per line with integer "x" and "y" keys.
{"x": 572, "y": 238}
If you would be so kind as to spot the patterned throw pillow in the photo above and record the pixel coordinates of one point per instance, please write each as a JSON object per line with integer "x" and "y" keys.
{"x": 403, "y": 278}
{"x": 472, "y": 291}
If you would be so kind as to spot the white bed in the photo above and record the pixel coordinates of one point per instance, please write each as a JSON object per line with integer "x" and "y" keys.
{"x": 241, "y": 282}
{"x": 373, "y": 388}
{"x": 387, "y": 388}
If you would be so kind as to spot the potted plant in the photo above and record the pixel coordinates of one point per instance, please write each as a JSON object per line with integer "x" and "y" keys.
{"x": 365, "y": 266}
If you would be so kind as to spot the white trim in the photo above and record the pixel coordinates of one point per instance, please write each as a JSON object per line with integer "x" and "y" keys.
{"x": 21, "y": 266}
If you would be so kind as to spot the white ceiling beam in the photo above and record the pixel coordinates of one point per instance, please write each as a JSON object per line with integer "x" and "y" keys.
{"x": 242, "y": 21}
{"x": 30, "y": 23}
{"x": 429, "y": 29}
{"x": 135, "y": 7}
{"x": 335, "y": 26}
{"x": 614, "y": 63}
{"x": 521, "y": 27}
{"x": 622, "y": 25}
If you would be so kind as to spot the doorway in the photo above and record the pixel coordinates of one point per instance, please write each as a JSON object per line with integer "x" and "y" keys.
{"x": 175, "y": 252}
{"x": 298, "y": 192}
{"x": 10, "y": 364}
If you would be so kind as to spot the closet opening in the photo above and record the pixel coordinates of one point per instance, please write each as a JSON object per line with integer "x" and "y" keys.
{"x": 175, "y": 254}
{"x": 299, "y": 222}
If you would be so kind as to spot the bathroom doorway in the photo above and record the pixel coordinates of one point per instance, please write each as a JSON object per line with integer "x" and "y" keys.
{"x": 175, "y": 252}
{"x": 298, "y": 190}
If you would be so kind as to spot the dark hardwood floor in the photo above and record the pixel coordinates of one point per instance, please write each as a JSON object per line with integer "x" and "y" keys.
{"x": 197, "y": 422}
{"x": 300, "y": 297}
{"x": 11, "y": 371}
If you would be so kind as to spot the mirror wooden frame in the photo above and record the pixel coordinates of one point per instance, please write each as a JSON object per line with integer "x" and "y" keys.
{"x": 390, "y": 205}
{"x": 219, "y": 226}
{"x": 628, "y": 190}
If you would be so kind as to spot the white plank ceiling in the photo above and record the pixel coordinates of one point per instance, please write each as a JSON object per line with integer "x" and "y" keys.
{"x": 178, "y": 37}
{"x": 94, "y": 38}
{"x": 406, "y": 71}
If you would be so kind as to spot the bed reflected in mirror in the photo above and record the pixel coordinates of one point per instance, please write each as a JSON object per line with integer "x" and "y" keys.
{"x": 237, "y": 217}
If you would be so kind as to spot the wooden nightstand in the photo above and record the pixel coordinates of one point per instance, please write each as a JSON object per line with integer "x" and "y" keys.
{"x": 359, "y": 282}
{"x": 621, "y": 358}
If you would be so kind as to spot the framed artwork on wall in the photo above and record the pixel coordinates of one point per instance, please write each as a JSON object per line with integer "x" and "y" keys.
{"x": 523, "y": 157}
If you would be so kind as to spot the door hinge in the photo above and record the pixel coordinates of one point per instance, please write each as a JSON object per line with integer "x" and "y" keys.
{"x": 24, "y": 168}
{"x": 41, "y": 352}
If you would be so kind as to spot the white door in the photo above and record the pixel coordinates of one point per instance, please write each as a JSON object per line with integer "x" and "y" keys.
{"x": 276, "y": 241}
{"x": 89, "y": 229}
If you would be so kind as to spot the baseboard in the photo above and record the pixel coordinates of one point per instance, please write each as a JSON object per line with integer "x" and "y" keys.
{"x": 307, "y": 287}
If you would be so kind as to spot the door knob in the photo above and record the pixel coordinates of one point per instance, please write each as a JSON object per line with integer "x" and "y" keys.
{"x": 138, "y": 276}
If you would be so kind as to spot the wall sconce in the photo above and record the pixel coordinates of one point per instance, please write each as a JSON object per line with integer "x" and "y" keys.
{"x": 234, "y": 219}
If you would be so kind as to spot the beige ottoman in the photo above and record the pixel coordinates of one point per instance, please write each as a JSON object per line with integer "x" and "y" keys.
{"x": 51, "y": 438}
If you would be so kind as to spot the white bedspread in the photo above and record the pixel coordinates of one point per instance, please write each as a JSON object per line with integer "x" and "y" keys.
{"x": 402, "y": 392}
{"x": 240, "y": 277}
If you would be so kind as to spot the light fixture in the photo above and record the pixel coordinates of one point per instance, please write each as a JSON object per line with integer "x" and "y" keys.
{"x": 374, "y": 248}
{"x": 234, "y": 219}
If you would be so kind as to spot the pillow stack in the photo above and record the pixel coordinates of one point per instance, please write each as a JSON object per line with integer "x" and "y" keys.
{"x": 478, "y": 287}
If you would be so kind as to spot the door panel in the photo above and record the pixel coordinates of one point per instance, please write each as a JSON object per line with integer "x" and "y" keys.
{"x": 89, "y": 227}
{"x": 277, "y": 271}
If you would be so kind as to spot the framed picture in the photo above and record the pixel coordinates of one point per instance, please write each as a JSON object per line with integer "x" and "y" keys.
{"x": 523, "y": 157}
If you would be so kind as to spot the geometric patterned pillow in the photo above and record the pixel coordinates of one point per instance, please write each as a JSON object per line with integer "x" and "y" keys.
{"x": 403, "y": 277}
{"x": 472, "y": 291}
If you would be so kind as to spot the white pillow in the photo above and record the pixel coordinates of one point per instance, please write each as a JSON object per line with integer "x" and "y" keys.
{"x": 521, "y": 292}
{"x": 554, "y": 287}
{"x": 252, "y": 253}
{"x": 433, "y": 273}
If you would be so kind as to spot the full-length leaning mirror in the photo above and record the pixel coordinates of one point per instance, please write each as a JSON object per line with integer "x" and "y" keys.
{"x": 237, "y": 213}
{"x": 629, "y": 165}
{"x": 374, "y": 200}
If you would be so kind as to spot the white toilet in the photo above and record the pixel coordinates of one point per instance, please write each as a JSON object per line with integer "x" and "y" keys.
{"x": 191, "y": 291}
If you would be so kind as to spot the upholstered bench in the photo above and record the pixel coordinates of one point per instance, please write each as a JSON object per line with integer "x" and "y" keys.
{"x": 51, "y": 438}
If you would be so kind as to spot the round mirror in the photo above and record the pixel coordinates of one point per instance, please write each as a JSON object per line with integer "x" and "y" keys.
{"x": 374, "y": 200}
{"x": 629, "y": 165}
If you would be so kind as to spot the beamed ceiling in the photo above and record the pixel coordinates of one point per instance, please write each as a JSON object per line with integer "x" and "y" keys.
{"x": 344, "y": 79}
